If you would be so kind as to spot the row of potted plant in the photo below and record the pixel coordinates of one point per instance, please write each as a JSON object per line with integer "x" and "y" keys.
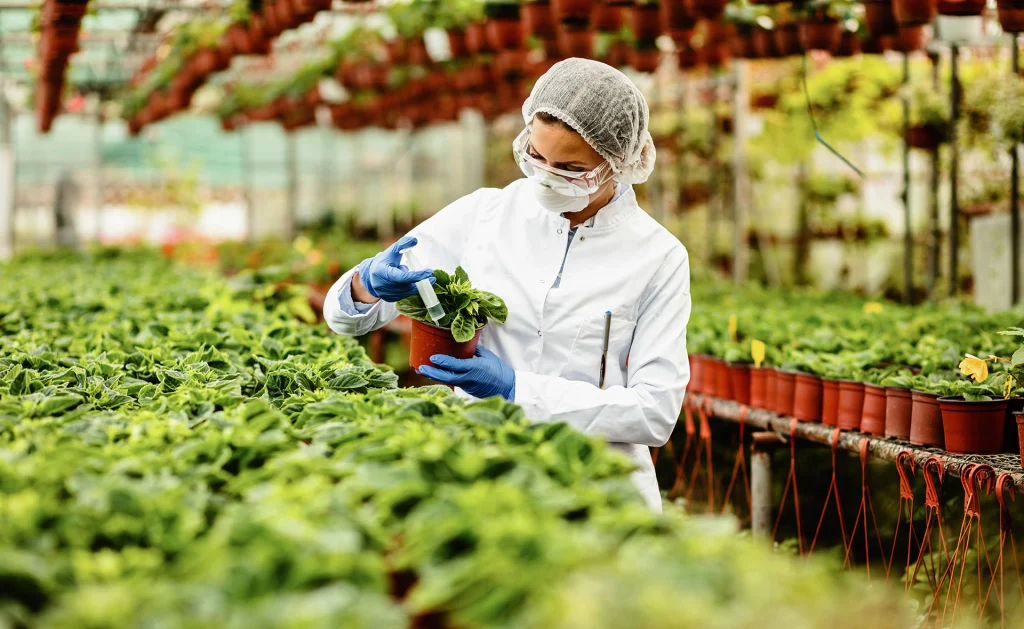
{"x": 58, "y": 24}
{"x": 884, "y": 370}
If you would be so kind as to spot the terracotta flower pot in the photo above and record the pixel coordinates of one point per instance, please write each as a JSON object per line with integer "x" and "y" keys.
{"x": 758, "y": 387}
{"x": 830, "y": 402}
{"x": 608, "y": 18}
{"x": 899, "y": 404}
{"x": 741, "y": 45}
{"x": 697, "y": 373}
{"x": 787, "y": 40}
{"x": 457, "y": 44}
{"x": 711, "y": 10}
{"x": 764, "y": 43}
{"x": 505, "y": 33}
{"x": 876, "y": 45}
{"x": 873, "y": 415}
{"x": 646, "y": 60}
{"x": 922, "y": 137}
{"x": 645, "y": 21}
{"x": 926, "y": 420}
{"x": 824, "y": 35}
{"x": 723, "y": 381}
{"x": 538, "y": 19}
{"x": 1013, "y": 407}
{"x": 770, "y": 388}
{"x": 909, "y": 39}
{"x": 575, "y": 41}
{"x": 711, "y": 377}
{"x": 807, "y": 405}
{"x": 973, "y": 427}
{"x": 476, "y": 39}
{"x": 1020, "y": 435}
{"x": 740, "y": 379}
{"x": 574, "y": 11}
{"x": 851, "y": 404}
{"x": 785, "y": 392}
{"x": 960, "y": 8}
{"x": 676, "y": 18}
{"x": 1011, "y": 18}
{"x": 849, "y": 45}
{"x": 429, "y": 340}
{"x": 879, "y": 18}
{"x": 914, "y": 12}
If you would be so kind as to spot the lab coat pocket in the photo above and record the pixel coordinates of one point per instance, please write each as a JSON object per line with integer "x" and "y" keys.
{"x": 585, "y": 361}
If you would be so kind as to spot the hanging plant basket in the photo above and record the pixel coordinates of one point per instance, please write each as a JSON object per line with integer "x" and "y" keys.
{"x": 1011, "y": 15}
{"x": 711, "y": 10}
{"x": 787, "y": 40}
{"x": 913, "y": 12}
{"x": 476, "y": 39}
{"x": 961, "y": 8}
{"x": 820, "y": 35}
{"x": 879, "y": 18}
{"x": 578, "y": 12}
{"x": 849, "y": 45}
{"x": 645, "y": 57}
{"x": 575, "y": 41}
{"x": 676, "y": 18}
{"x": 645, "y": 21}
{"x": 457, "y": 44}
{"x": 925, "y": 137}
{"x": 899, "y": 405}
{"x": 504, "y": 28}
{"x": 608, "y": 18}
{"x": 973, "y": 427}
{"x": 538, "y": 19}
{"x": 876, "y": 45}
{"x": 763, "y": 41}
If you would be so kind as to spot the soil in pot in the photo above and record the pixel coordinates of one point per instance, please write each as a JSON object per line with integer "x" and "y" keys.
{"x": 807, "y": 404}
{"x": 830, "y": 402}
{"x": 926, "y": 420}
{"x": 851, "y": 404}
{"x": 430, "y": 340}
{"x": 739, "y": 376}
{"x": 898, "y": 406}
{"x": 872, "y": 420}
{"x": 973, "y": 427}
{"x": 758, "y": 388}
{"x": 785, "y": 392}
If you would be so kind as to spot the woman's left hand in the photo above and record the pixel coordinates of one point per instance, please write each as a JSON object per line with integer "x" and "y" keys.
{"x": 485, "y": 375}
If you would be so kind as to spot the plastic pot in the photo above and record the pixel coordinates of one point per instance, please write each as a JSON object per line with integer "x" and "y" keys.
{"x": 457, "y": 44}
{"x": 1013, "y": 407}
{"x": 675, "y": 18}
{"x": 758, "y": 388}
{"x": 711, "y": 10}
{"x": 723, "y": 381}
{"x": 898, "y": 406}
{"x": 645, "y": 21}
{"x": 879, "y": 18}
{"x": 608, "y": 18}
{"x": 429, "y": 340}
{"x": 926, "y": 420}
{"x": 1011, "y": 15}
{"x": 575, "y": 41}
{"x": 1020, "y": 435}
{"x": 849, "y": 45}
{"x": 505, "y": 33}
{"x": 960, "y": 8}
{"x": 770, "y": 376}
{"x": 476, "y": 39}
{"x": 872, "y": 420}
{"x": 913, "y": 12}
{"x": 574, "y": 11}
{"x": 851, "y": 404}
{"x": 741, "y": 45}
{"x": 909, "y": 39}
{"x": 739, "y": 378}
{"x": 973, "y": 427}
{"x": 697, "y": 372}
{"x": 922, "y": 137}
{"x": 830, "y": 402}
{"x": 808, "y": 400}
{"x": 538, "y": 20}
{"x": 711, "y": 376}
{"x": 764, "y": 43}
{"x": 787, "y": 40}
{"x": 645, "y": 60}
{"x": 824, "y": 35}
{"x": 785, "y": 392}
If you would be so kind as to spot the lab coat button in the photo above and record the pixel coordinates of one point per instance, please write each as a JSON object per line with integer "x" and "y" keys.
{"x": 559, "y": 230}
{"x": 539, "y": 333}
{"x": 542, "y": 281}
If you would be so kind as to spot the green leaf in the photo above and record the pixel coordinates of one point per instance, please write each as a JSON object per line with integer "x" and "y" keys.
{"x": 443, "y": 279}
{"x": 1018, "y": 357}
{"x": 463, "y": 329}
{"x": 461, "y": 276}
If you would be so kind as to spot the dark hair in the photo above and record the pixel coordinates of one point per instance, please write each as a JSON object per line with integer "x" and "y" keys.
{"x": 547, "y": 118}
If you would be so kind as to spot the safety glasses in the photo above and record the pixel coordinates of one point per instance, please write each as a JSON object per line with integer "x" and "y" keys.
{"x": 567, "y": 182}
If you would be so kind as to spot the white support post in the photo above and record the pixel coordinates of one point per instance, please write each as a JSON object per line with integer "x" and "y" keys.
{"x": 761, "y": 507}
{"x": 741, "y": 183}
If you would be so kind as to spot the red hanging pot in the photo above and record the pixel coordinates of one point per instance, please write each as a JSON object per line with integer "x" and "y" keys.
{"x": 645, "y": 21}
{"x": 575, "y": 41}
{"x": 711, "y": 381}
{"x": 741, "y": 45}
{"x": 849, "y": 45}
{"x": 689, "y": 57}
{"x": 715, "y": 55}
{"x": 913, "y": 12}
{"x": 830, "y": 402}
{"x": 711, "y": 10}
{"x": 740, "y": 379}
{"x": 511, "y": 63}
{"x": 807, "y": 405}
{"x": 1019, "y": 417}
{"x": 723, "y": 380}
{"x": 879, "y": 18}
{"x": 909, "y": 39}
{"x": 899, "y": 404}
{"x": 505, "y": 33}
{"x": 764, "y": 43}
{"x": 973, "y": 427}
{"x": 578, "y": 12}
{"x": 926, "y": 420}
{"x": 785, "y": 392}
{"x": 787, "y": 40}
{"x": 820, "y": 35}
{"x": 457, "y": 44}
{"x": 961, "y": 8}
{"x": 873, "y": 415}
{"x": 771, "y": 375}
{"x": 476, "y": 39}
{"x": 259, "y": 39}
{"x": 608, "y": 18}
{"x": 1011, "y": 15}
{"x": 851, "y": 404}
{"x": 538, "y": 19}
{"x": 676, "y": 18}
{"x": 645, "y": 59}
{"x": 876, "y": 45}
{"x": 429, "y": 340}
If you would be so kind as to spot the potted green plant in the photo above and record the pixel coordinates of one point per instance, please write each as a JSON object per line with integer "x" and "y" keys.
{"x": 1011, "y": 15}
{"x": 913, "y": 12}
{"x": 818, "y": 25}
{"x": 929, "y": 117}
{"x": 899, "y": 402}
{"x": 1008, "y": 115}
{"x": 467, "y": 311}
{"x": 738, "y": 360}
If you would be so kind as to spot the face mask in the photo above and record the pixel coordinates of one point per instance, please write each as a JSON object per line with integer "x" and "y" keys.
{"x": 554, "y": 201}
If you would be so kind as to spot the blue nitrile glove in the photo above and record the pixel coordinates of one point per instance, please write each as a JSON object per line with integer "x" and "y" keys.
{"x": 385, "y": 277}
{"x": 485, "y": 375}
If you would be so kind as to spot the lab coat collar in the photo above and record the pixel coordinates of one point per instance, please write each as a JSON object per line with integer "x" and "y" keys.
{"x": 622, "y": 206}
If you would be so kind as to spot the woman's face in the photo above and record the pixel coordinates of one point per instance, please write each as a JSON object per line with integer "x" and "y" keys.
{"x": 559, "y": 147}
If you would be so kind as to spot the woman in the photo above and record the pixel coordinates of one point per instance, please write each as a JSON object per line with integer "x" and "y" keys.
{"x": 562, "y": 247}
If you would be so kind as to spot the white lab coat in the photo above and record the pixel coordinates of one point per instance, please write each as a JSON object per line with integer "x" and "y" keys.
{"x": 626, "y": 263}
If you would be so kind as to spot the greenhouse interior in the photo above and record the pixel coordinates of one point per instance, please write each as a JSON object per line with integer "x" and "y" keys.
{"x": 339, "y": 313}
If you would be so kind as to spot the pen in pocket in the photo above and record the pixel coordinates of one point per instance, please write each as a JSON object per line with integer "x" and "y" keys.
{"x": 604, "y": 347}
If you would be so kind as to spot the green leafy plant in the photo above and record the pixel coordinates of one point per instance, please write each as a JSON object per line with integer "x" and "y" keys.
{"x": 466, "y": 308}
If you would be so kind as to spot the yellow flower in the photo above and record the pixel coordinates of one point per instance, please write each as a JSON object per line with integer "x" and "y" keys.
{"x": 872, "y": 307}
{"x": 733, "y": 325}
{"x": 757, "y": 352}
{"x": 303, "y": 244}
{"x": 974, "y": 367}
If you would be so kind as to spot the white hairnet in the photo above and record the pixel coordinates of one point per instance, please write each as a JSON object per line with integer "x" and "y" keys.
{"x": 602, "y": 105}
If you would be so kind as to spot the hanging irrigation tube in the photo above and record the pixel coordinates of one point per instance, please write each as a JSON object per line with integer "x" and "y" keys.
{"x": 1015, "y": 255}
{"x": 954, "y": 173}
{"x": 908, "y": 233}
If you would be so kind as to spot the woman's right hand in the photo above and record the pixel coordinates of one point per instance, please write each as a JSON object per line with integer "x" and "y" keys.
{"x": 385, "y": 277}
